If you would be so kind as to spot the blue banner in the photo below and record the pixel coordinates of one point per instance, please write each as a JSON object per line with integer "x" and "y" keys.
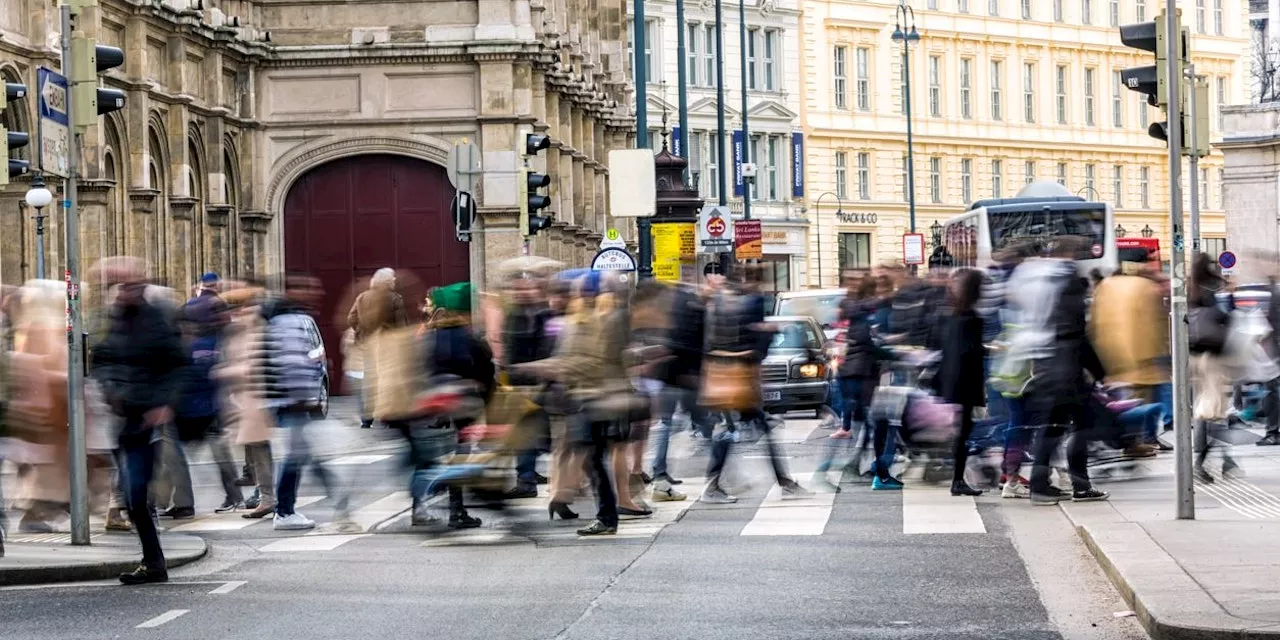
{"x": 675, "y": 142}
{"x": 737, "y": 162}
{"x": 797, "y": 165}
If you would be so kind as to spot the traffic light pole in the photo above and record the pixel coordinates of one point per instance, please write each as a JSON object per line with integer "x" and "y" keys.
{"x": 1178, "y": 294}
{"x": 1193, "y": 161}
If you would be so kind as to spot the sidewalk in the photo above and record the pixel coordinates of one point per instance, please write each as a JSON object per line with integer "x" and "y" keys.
{"x": 1214, "y": 577}
{"x": 51, "y": 558}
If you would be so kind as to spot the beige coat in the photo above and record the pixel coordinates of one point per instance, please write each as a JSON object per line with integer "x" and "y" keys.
{"x": 243, "y": 412}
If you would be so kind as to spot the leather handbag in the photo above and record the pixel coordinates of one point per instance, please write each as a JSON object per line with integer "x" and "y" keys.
{"x": 730, "y": 381}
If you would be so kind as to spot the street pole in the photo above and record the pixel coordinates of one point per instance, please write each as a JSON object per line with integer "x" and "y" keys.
{"x": 1178, "y": 295}
{"x": 75, "y": 363}
{"x": 911, "y": 161}
{"x": 40, "y": 272}
{"x": 746, "y": 127}
{"x": 726, "y": 258}
{"x": 1193, "y": 160}
{"x": 682, "y": 91}
{"x": 644, "y": 241}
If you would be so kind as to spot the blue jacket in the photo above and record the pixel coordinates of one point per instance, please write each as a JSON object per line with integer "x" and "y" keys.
{"x": 198, "y": 395}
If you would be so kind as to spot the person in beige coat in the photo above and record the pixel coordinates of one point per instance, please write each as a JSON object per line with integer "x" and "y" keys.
{"x": 242, "y": 411}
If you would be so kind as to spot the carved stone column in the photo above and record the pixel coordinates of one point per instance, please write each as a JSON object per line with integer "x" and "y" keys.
{"x": 141, "y": 237}
{"x": 219, "y": 256}
{"x": 181, "y": 270}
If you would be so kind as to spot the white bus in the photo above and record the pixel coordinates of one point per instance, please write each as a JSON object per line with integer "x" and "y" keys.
{"x": 1040, "y": 211}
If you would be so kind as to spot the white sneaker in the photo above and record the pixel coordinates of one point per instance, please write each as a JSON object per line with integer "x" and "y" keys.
{"x": 1015, "y": 489}
{"x": 793, "y": 491}
{"x": 716, "y": 495}
{"x": 292, "y": 522}
{"x": 662, "y": 492}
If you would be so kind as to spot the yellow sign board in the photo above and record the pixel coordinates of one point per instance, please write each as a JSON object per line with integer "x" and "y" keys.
{"x": 674, "y": 250}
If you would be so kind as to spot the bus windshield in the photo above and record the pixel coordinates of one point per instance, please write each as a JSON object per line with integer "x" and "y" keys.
{"x": 1012, "y": 227}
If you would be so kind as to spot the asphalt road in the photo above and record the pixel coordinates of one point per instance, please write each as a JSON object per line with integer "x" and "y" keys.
{"x": 837, "y": 566}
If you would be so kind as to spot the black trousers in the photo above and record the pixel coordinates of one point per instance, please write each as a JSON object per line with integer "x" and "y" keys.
{"x": 960, "y": 448}
{"x": 1063, "y": 420}
{"x": 601, "y": 478}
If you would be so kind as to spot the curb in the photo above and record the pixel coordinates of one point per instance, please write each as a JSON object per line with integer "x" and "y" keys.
{"x": 90, "y": 571}
{"x": 1164, "y": 627}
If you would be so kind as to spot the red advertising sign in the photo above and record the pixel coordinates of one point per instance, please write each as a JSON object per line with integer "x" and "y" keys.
{"x": 1152, "y": 245}
{"x": 748, "y": 240}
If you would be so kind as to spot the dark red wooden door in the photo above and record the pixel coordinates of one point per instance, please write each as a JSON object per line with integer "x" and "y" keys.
{"x": 348, "y": 218}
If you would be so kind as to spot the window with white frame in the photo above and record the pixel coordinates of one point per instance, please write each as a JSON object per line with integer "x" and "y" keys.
{"x": 1117, "y": 99}
{"x": 757, "y": 188}
{"x": 1029, "y": 92}
{"x": 962, "y": 6}
{"x": 993, "y": 7}
{"x": 753, "y": 45}
{"x": 1217, "y": 17}
{"x": 715, "y": 148}
{"x": 710, "y": 55}
{"x": 1200, "y": 16}
{"x": 772, "y": 80}
{"x": 1088, "y": 97}
{"x": 1060, "y": 93}
{"x": 842, "y": 174}
{"x": 1220, "y": 90}
{"x": 1090, "y": 183}
{"x": 1144, "y": 187}
{"x": 1115, "y": 13}
{"x": 906, "y": 178}
{"x": 903, "y": 61}
{"x": 1086, "y": 12}
{"x": 966, "y": 88}
{"x": 1117, "y": 186}
{"x": 1062, "y": 173}
{"x": 1222, "y": 191}
{"x": 1213, "y": 247}
{"x": 1144, "y": 116}
{"x": 966, "y": 181}
{"x": 652, "y": 51}
{"x": 1140, "y": 10}
{"x": 1204, "y": 188}
{"x": 1057, "y": 10}
{"x": 1029, "y": 172}
{"x": 838, "y": 76}
{"x": 864, "y": 176}
{"x": 997, "y": 178}
{"x": 691, "y": 49}
{"x": 863, "y": 81}
{"x": 935, "y": 179}
{"x": 997, "y": 94}
{"x": 935, "y": 86}
{"x": 695, "y": 157}
{"x": 933, "y": 4}
{"x": 1026, "y": 9}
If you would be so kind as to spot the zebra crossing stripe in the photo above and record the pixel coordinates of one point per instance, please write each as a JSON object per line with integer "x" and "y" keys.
{"x": 928, "y": 510}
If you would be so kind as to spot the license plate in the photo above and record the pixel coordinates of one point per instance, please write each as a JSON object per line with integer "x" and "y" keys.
{"x": 772, "y": 395}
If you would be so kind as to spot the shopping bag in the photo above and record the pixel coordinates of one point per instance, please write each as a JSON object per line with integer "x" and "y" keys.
{"x": 730, "y": 382}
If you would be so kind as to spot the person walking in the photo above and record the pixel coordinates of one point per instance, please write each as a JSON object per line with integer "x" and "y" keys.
{"x": 378, "y": 308}
{"x": 136, "y": 364}
{"x": 241, "y": 404}
{"x": 960, "y": 380}
{"x": 1210, "y": 327}
{"x": 524, "y": 336}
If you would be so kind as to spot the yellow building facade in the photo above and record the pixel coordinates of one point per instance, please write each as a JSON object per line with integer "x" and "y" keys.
{"x": 1003, "y": 92}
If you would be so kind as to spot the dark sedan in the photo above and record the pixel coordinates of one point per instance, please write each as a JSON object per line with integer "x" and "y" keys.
{"x": 794, "y": 374}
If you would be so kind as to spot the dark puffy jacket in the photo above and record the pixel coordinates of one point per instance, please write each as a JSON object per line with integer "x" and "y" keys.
{"x": 198, "y": 397}
{"x": 861, "y": 355}
{"x": 916, "y": 309}
{"x": 525, "y": 339}
{"x": 960, "y": 377}
{"x": 685, "y": 338}
{"x": 456, "y": 351}
{"x": 732, "y": 316}
{"x": 136, "y": 360}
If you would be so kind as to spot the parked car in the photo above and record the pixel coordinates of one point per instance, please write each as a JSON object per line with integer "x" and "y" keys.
{"x": 320, "y": 405}
{"x": 1246, "y": 296}
{"x": 794, "y": 374}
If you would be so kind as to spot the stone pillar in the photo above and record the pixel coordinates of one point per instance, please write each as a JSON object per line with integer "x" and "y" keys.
{"x": 219, "y": 239}
{"x": 95, "y": 240}
{"x": 567, "y": 200}
{"x": 142, "y": 237}
{"x": 582, "y": 216}
{"x": 1251, "y": 187}
{"x": 587, "y": 149}
{"x": 498, "y": 210}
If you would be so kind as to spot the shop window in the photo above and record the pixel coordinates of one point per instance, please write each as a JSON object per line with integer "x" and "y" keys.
{"x": 855, "y": 251}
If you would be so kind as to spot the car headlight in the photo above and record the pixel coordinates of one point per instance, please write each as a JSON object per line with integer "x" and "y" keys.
{"x": 811, "y": 370}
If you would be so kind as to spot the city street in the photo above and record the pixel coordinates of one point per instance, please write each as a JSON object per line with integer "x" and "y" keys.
{"x": 858, "y": 564}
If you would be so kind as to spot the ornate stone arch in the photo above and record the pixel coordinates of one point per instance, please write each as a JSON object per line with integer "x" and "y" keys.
{"x": 158, "y": 152}
{"x": 231, "y": 171}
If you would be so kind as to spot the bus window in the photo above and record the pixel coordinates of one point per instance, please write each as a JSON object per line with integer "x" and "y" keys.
{"x": 1010, "y": 227}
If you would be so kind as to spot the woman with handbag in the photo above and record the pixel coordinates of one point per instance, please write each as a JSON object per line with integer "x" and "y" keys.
{"x": 960, "y": 378}
{"x": 1209, "y": 328}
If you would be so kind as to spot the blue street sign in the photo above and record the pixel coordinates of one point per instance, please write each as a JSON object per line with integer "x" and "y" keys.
{"x": 54, "y": 140}
{"x": 1227, "y": 260}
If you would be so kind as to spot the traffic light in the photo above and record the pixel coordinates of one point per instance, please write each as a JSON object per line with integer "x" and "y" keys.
{"x": 12, "y": 139}
{"x": 1152, "y": 80}
{"x": 88, "y": 100}
{"x": 531, "y": 202}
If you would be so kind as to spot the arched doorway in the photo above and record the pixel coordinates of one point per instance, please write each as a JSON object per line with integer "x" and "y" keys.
{"x": 350, "y": 217}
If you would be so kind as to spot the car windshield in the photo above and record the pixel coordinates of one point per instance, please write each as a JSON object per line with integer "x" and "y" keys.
{"x": 824, "y": 309}
{"x": 794, "y": 335}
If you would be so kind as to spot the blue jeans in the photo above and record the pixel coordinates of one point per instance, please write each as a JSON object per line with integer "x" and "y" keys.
{"x": 1147, "y": 417}
{"x": 671, "y": 397}
{"x": 835, "y": 399}
{"x": 136, "y": 458}
{"x": 854, "y": 407}
{"x": 1164, "y": 395}
{"x": 1017, "y": 437}
{"x": 298, "y": 458}
{"x": 538, "y": 426}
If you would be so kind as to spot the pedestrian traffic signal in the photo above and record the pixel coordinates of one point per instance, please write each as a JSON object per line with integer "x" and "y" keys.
{"x": 10, "y": 140}
{"x": 531, "y": 202}
{"x": 88, "y": 100}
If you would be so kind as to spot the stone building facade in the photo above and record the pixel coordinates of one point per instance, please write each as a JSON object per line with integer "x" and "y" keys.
{"x": 233, "y": 103}
{"x": 1251, "y": 187}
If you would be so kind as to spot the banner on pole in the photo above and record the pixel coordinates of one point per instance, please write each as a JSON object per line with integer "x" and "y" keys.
{"x": 676, "y": 148}
{"x": 797, "y": 165}
{"x": 738, "y": 150}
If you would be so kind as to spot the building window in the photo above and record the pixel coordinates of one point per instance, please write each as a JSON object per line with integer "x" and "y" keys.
{"x": 1029, "y": 172}
{"x": 691, "y": 48}
{"x": 1221, "y": 89}
{"x": 1217, "y": 17}
{"x": 997, "y": 178}
{"x": 652, "y": 51}
{"x": 1117, "y": 186}
{"x": 966, "y": 181}
{"x": 966, "y": 88}
{"x": 864, "y": 176}
{"x": 1144, "y": 116}
{"x": 855, "y": 251}
{"x": 715, "y": 145}
{"x": 1204, "y": 188}
{"x": 935, "y": 86}
{"x": 993, "y": 7}
{"x": 1117, "y": 102}
{"x": 1029, "y": 92}
{"x": 1115, "y": 13}
{"x": 933, "y": 4}
{"x": 1222, "y": 189}
{"x": 753, "y": 38}
{"x": 1060, "y": 82}
{"x": 842, "y": 174}
{"x": 863, "y": 86}
{"x": 1062, "y": 173}
{"x": 1200, "y": 21}
{"x": 935, "y": 179}
{"x": 1026, "y": 9}
{"x": 838, "y": 75}
{"x": 962, "y": 6}
{"x": 906, "y": 178}
{"x": 1057, "y": 10}
{"x": 771, "y": 80}
{"x": 1089, "y": 182}
{"x": 710, "y": 55}
{"x": 903, "y": 94}
{"x": 1086, "y": 12}
{"x": 1144, "y": 187}
{"x": 1088, "y": 97}
{"x": 771, "y": 169}
{"x": 1140, "y": 10}
{"x": 1213, "y": 247}
{"x": 997, "y": 95}
{"x": 695, "y": 156}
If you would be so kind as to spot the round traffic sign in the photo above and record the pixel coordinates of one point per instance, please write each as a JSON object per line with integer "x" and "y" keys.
{"x": 716, "y": 226}
{"x": 1226, "y": 260}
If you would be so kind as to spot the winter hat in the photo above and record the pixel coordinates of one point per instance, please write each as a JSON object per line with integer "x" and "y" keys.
{"x": 455, "y": 297}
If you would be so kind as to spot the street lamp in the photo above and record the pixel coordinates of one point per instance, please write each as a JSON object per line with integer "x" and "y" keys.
{"x": 1147, "y": 231}
{"x": 1120, "y": 231}
{"x": 38, "y": 197}
{"x": 936, "y": 230}
{"x": 904, "y": 31}
{"x": 818, "y": 219}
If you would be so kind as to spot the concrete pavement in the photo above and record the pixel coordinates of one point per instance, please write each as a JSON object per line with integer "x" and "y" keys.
{"x": 39, "y": 559}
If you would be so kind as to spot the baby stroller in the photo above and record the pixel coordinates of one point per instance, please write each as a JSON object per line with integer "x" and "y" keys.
{"x": 908, "y": 409}
{"x": 1116, "y": 436}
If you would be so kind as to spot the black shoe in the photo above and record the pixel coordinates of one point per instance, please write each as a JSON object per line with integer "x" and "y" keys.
{"x": 561, "y": 509}
{"x": 521, "y": 491}
{"x": 597, "y": 528}
{"x": 962, "y": 489}
{"x": 644, "y": 477}
{"x": 666, "y": 476}
{"x": 1161, "y": 445}
{"x": 228, "y": 506}
{"x": 538, "y": 478}
{"x": 253, "y": 502}
{"x": 1269, "y": 440}
{"x": 634, "y": 513}
{"x": 366, "y": 424}
{"x": 1203, "y": 476}
{"x": 178, "y": 513}
{"x": 1089, "y": 495}
{"x": 144, "y": 575}
{"x": 245, "y": 481}
{"x": 463, "y": 521}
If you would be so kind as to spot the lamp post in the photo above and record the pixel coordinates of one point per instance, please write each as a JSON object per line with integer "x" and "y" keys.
{"x": 1147, "y": 231}
{"x": 39, "y": 197}
{"x": 1120, "y": 231}
{"x": 817, "y": 207}
{"x": 904, "y": 31}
